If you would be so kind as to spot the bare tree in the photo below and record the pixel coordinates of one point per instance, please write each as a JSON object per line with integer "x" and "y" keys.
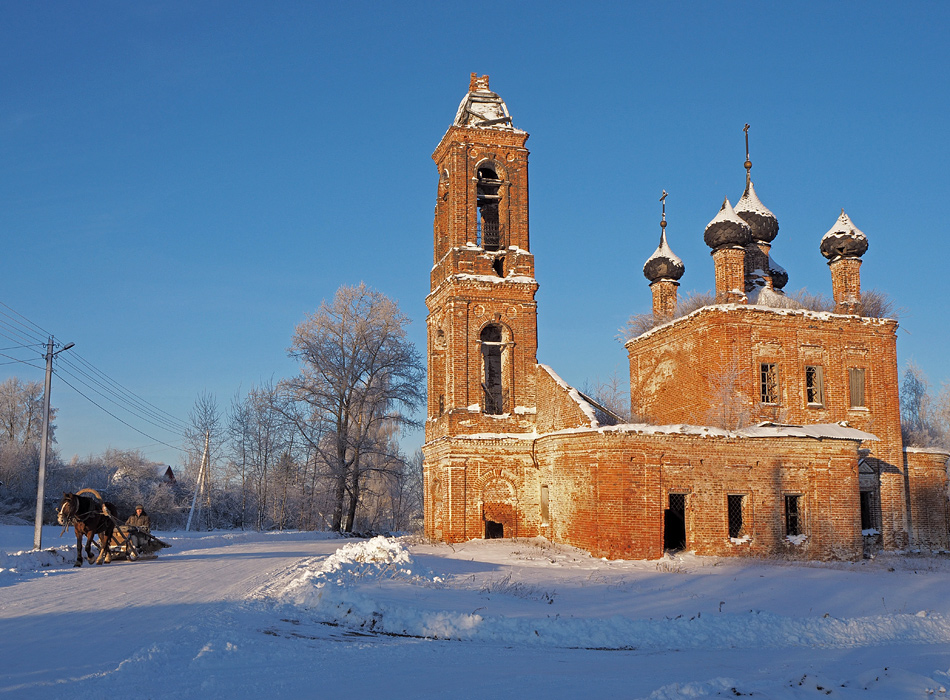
{"x": 610, "y": 398}
{"x": 359, "y": 376}
{"x": 727, "y": 404}
{"x": 925, "y": 418}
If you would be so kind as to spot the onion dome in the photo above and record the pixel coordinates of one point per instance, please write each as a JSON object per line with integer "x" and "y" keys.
{"x": 844, "y": 240}
{"x": 727, "y": 229}
{"x": 763, "y": 223}
{"x": 778, "y": 273}
{"x": 664, "y": 263}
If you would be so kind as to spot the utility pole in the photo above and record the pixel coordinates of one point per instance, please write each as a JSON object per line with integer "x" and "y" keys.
{"x": 44, "y": 445}
{"x": 201, "y": 481}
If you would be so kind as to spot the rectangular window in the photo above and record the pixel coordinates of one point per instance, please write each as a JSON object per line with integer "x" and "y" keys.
{"x": 793, "y": 520}
{"x": 868, "y": 511}
{"x": 545, "y": 511}
{"x": 768, "y": 380}
{"x": 734, "y": 505}
{"x": 814, "y": 385}
{"x": 856, "y": 386}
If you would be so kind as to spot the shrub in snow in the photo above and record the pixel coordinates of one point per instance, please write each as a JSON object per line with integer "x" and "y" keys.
{"x": 518, "y": 589}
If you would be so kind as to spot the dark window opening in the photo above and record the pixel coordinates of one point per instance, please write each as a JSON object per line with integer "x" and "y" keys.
{"x": 493, "y": 530}
{"x": 868, "y": 511}
{"x": 492, "y": 385}
{"x": 768, "y": 374}
{"x": 441, "y": 404}
{"x": 674, "y": 523}
{"x": 488, "y": 233}
{"x": 734, "y": 507}
{"x": 793, "y": 521}
{"x": 814, "y": 385}
{"x": 856, "y": 377}
{"x": 498, "y": 265}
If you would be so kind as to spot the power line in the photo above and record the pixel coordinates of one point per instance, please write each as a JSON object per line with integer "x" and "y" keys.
{"x": 14, "y": 360}
{"x": 152, "y": 409}
{"x": 39, "y": 328}
{"x": 20, "y": 330}
{"x": 132, "y": 411}
{"x": 129, "y": 425}
{"x": 17, "y": 336}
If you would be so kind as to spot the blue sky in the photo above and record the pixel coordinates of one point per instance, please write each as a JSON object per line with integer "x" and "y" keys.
{"x": 181, "y": 182}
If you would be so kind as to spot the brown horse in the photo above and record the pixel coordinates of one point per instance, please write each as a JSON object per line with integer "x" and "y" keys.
{"x": 89, "y": 519}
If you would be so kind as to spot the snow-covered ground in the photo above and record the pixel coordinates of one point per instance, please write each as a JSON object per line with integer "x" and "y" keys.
{"x": 251, "y": 615}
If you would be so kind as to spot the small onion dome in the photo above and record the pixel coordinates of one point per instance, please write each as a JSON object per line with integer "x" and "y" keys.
{"x": 727, "y": 229}
{"x": 779, "y": 274}
{"x": 663, "y": 264}
{"x": 844, "y": 240}
{"x": 763, "y": 223}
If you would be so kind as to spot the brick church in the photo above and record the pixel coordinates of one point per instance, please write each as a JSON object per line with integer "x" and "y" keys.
{"x": 813, "y": 467}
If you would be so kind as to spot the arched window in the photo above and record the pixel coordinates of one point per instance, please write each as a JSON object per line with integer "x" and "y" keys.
{"x": 486, "y": 215}
{"x": 492, "y": 347}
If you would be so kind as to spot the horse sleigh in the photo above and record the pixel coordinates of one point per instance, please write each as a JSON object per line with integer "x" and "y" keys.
{"x": 95, "y": 518}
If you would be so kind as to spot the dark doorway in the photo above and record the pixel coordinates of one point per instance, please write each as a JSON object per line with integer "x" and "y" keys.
{"x": 674, "y": 523}
{"x": 493, "y": 530}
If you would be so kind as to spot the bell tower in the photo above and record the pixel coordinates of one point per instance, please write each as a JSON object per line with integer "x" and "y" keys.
{"x": 482, "y": 323}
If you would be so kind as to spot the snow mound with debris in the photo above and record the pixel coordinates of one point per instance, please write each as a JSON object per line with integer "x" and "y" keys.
{"x": 363, "y": 586}
{"x": 375, "y": 559}
{"x": 15, "y": 564}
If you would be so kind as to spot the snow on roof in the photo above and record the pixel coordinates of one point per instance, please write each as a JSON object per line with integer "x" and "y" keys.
{"x": 928, "y": 450}
{"x": 819, "y": 431}
{"x": 663, "y": 260}
{"x": 584, "y": 405}
{"x": 663, "y": 251}
{"x": 494, "y": 279}
{"x": 766, "y": 296}
{"x": 816, "y": 315}
{"x": 815, "y": 431}
{"x": 844, "y": 228}
{"x": 750, "y": 202}
{"x": 483, "y": 109}
{"x": 727, "y": 213}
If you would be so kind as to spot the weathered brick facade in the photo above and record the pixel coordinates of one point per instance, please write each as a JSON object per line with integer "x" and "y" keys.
{"x": 513, "y": 451}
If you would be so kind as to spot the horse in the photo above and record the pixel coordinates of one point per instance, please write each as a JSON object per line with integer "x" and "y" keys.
{"x": 89, "y": 519}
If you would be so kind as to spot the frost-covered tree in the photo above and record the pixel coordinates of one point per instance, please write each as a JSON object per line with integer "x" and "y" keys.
{"x": 360, "y": 379}
{"x": 925, "y": 417}
{"x": 21, "y": 430}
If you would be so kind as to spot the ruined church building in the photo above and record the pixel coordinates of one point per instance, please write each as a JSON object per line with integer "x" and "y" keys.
{"x": 512, "y": 451}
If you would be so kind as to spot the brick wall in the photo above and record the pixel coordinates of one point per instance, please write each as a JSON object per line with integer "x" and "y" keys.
{"x": 705, "y": 369}
{"x": 927, "y": 493}
{"x": 608, "y": 489}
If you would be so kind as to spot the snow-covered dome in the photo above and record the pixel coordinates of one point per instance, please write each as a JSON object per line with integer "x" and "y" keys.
{"x": 779, "y": 274}
{"x": 727, "y": 229}
{"x": 844, "y": 240}
{"x": 750, "y": 209}
{"x": 482, "y": 108}
{"x": 664, "y": 263}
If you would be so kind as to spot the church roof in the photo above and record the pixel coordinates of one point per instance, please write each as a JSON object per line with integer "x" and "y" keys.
{"x": 844, "y": 239}
{"x": 664, "y": 263}
{"x": 727, "y": 228}
{"x": 482, "y": 108}
{"x": 763, "y": 223}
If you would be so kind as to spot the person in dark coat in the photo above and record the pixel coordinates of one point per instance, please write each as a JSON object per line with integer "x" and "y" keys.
{"x": 140, "y": 520}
